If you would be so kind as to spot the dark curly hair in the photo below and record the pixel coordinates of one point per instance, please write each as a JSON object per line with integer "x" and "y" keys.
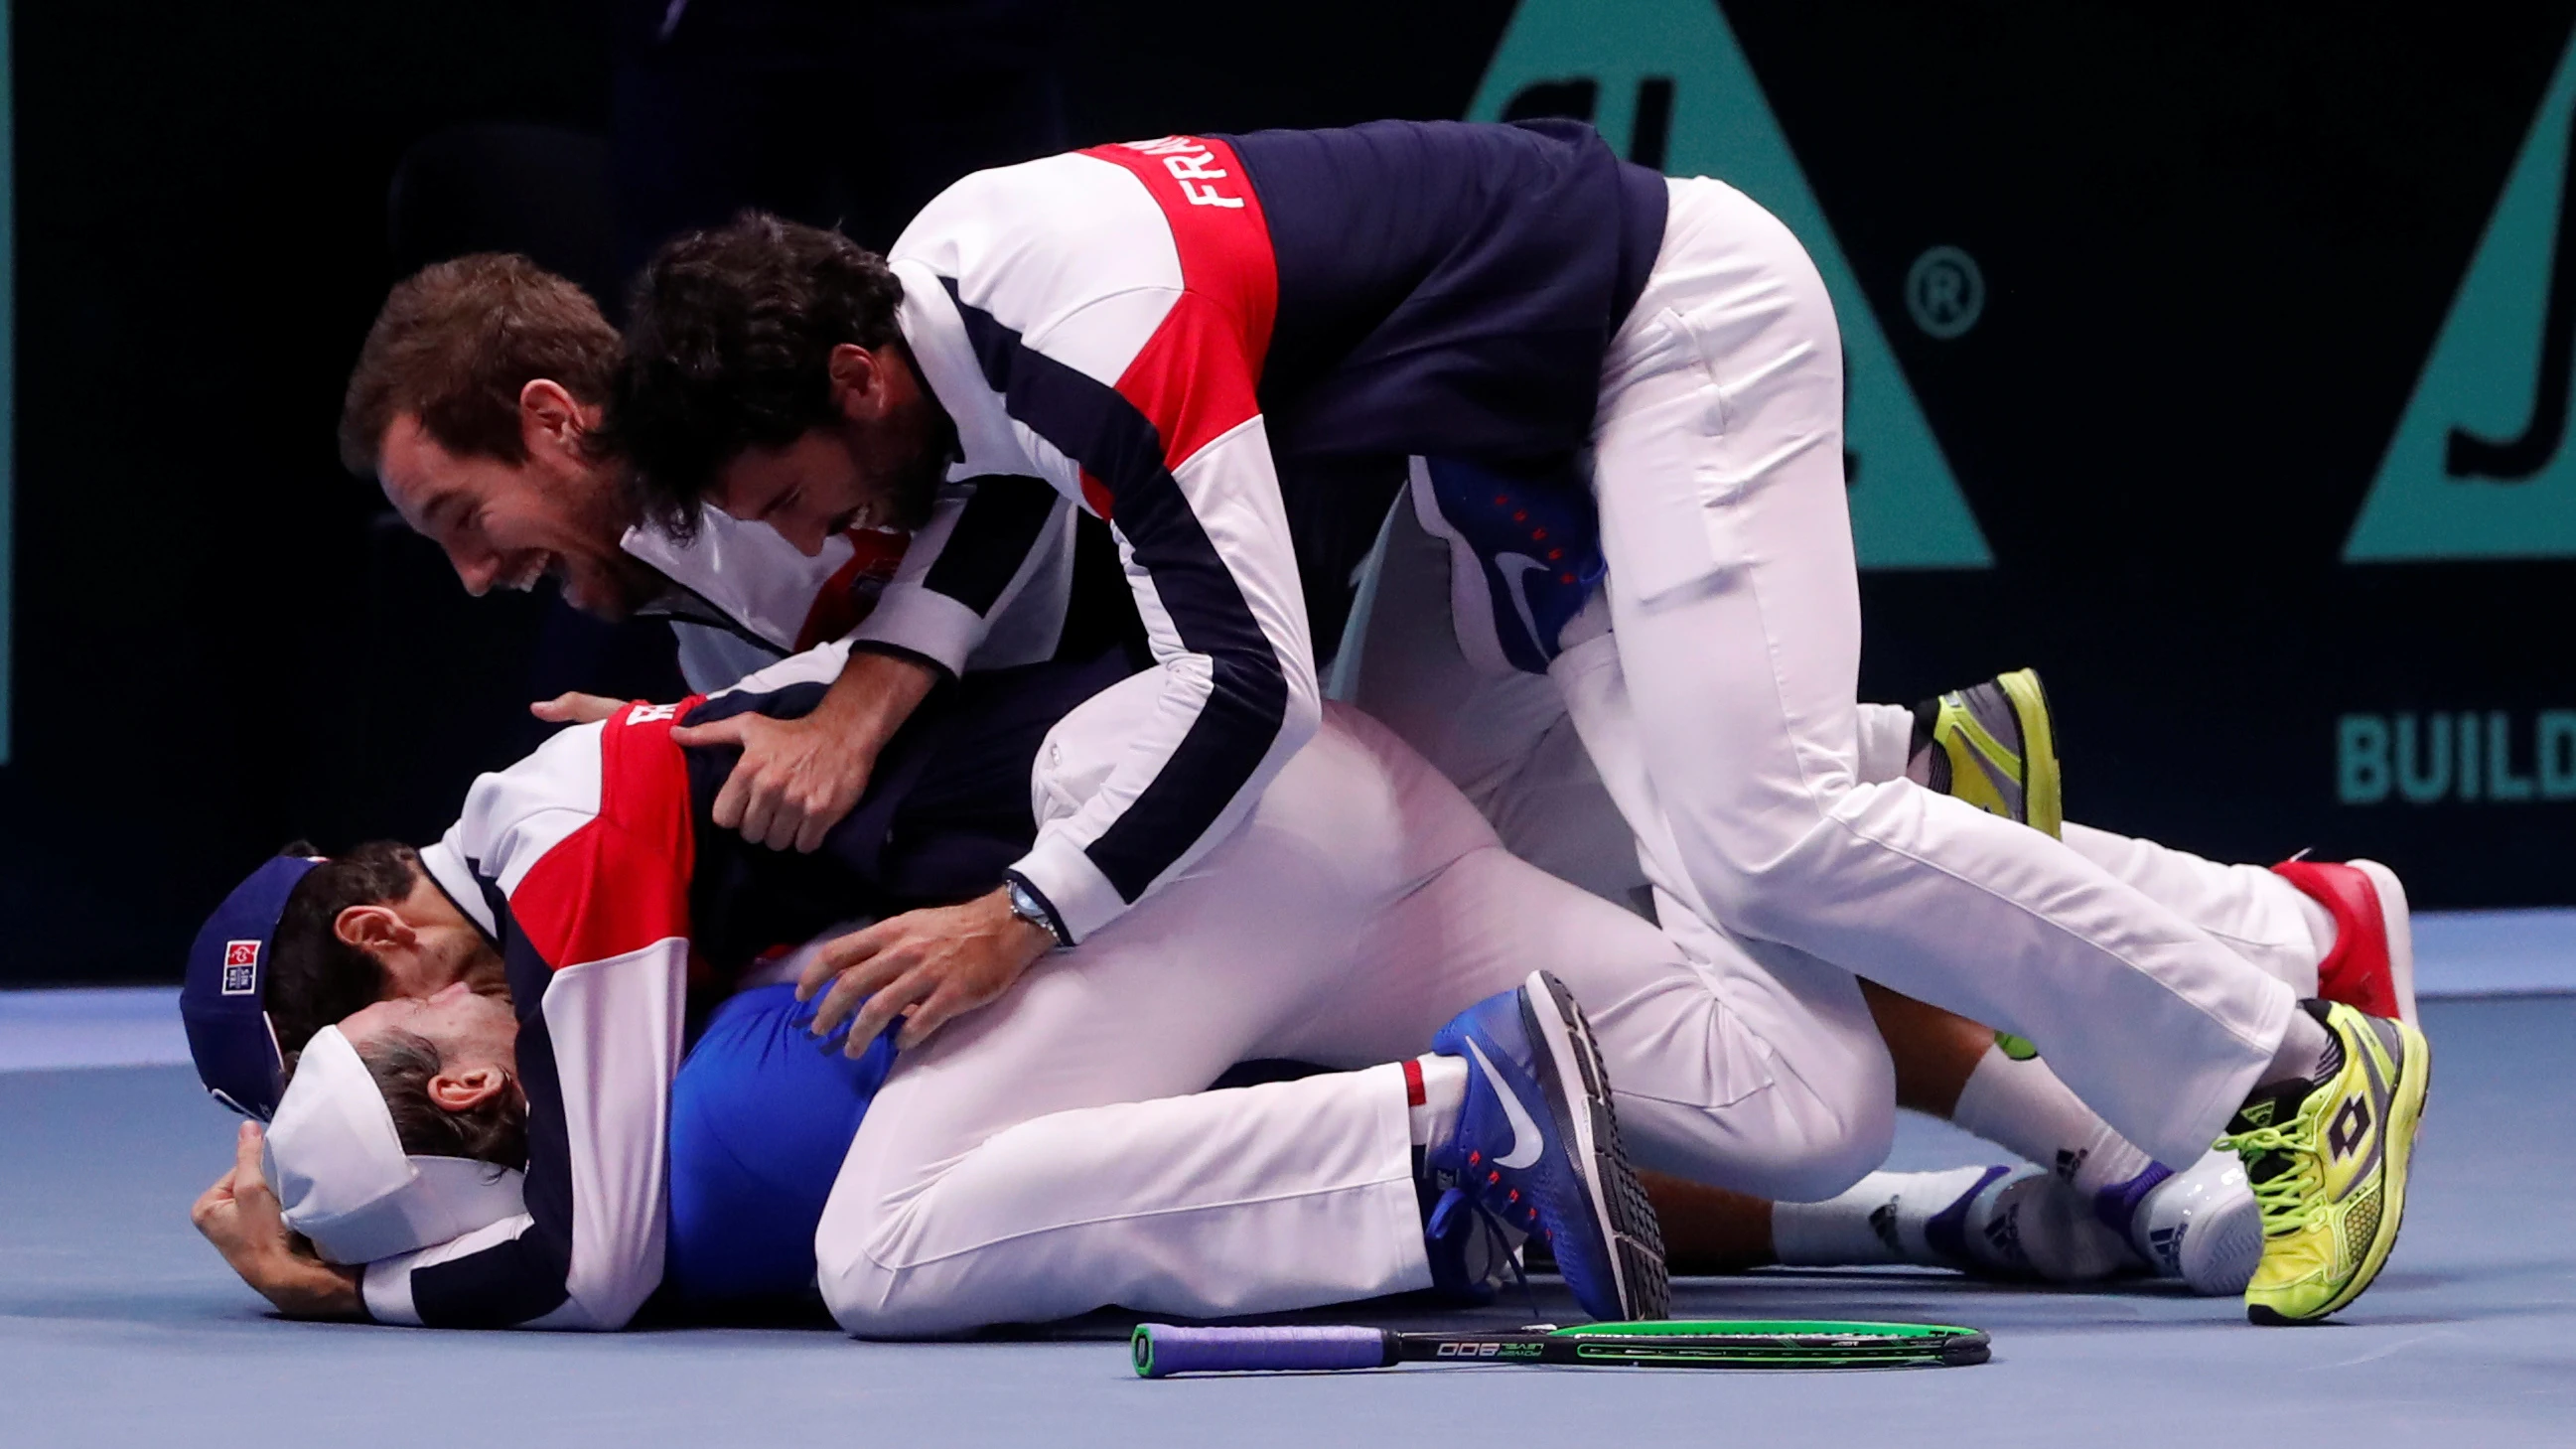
{"x": 314, "y": 977}
{"x": 728, "y": 338}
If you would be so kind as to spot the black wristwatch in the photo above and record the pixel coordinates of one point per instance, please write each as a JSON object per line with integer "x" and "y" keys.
{"x": 1026, "y": 906}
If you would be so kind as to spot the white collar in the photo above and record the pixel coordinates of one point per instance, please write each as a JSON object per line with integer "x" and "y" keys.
{"x": 946, "y": 360}
{"x": 455, "y": 879}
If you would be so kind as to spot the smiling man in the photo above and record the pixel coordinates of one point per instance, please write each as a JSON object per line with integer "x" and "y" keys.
{"x": 476, "y": 401}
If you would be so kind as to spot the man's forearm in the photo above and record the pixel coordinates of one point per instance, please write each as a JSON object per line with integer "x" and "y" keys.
{"x": 875, "y": 693}
{"x": 798, "y": 778}
{"x": 302, "y": 1287}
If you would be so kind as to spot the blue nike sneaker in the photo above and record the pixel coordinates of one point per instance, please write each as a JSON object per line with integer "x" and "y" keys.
{"x": 1524, "y": 554}
{"x": 1537, "y": 1149}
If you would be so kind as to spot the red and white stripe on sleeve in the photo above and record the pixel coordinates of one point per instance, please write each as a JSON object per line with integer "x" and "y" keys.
{"x": 589, "y": 842}
{"x": 1105, "y": 314}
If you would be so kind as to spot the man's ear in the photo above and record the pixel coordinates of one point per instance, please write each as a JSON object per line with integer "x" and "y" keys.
{"x": 551, "y": 419}
{"x": 374, "y": 929}
{"x": 858, "y": 382}
{"x": 464, "y": 1091}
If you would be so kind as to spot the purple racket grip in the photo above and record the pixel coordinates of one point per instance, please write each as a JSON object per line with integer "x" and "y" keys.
{"x": 1162, "y": 1349}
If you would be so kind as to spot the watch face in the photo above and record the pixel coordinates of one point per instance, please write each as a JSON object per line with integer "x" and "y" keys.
{"x": 1026, "y": 907}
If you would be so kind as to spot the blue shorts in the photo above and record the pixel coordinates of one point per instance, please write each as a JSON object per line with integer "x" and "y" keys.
{"x": 761, "y": 1116}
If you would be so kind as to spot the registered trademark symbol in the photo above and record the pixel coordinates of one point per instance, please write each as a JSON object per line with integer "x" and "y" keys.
{"x": 1945, "y": 292}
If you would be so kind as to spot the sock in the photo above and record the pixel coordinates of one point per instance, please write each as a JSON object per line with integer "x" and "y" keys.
{"x": 1991, "y": 1220}
{"x": 2320, "y": 921}
{"x": 2033, "y": 1226}
{"x": 1879, "y": 1219}
{"x": 1436, "y": 1092}
{"x": 2308, "y": 1051}
{"x": 2019, "y": 1104}
{"x": 1925, "y": 764}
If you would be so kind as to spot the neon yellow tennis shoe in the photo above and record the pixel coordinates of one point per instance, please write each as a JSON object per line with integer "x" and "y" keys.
{"x": 2327, "y": 1161}
{"x": 1992, "y": 745}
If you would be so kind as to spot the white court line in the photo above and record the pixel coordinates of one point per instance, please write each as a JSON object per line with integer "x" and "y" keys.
{"x": 2457, "y": 953}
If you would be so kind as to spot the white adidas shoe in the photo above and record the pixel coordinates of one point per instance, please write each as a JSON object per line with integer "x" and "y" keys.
{"x": 2202, "y": 1226}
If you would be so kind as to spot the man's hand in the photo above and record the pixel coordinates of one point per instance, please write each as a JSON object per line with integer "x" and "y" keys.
{"x": 576, "y": 708}
{"x": 798, "y": 777}
{"x": 239, "y": 1215}
{"x": 926, "y": 965}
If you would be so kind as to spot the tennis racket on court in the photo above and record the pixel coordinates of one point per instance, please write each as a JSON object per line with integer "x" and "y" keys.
{"x": 1162, "y": 1349}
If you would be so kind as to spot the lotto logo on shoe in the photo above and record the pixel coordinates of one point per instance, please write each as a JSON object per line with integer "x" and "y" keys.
{"x": 1194, "y": 166}
{"x": 2351, "y": 1127}
{"x": 241, "y": 968}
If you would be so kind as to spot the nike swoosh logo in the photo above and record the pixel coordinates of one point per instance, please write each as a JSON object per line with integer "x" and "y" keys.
{"x": 1516, "y": 569}
{"x": 1527, "y": 1140}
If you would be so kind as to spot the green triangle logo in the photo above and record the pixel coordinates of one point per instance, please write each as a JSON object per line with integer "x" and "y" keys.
{"x": 2481, "y": 466}
{"x": 1665, "y": 82}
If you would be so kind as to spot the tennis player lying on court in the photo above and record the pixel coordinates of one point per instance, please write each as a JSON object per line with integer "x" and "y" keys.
{"x": 1365, "y": 905}
{"x": 302, "y": 937}
{"x": 1327, "y": 930}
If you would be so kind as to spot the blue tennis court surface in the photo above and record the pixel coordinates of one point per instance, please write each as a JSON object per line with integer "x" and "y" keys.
{"x": 118, "y": 1326}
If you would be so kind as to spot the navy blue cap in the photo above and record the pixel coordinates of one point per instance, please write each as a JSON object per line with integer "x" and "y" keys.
{"x": 224, "y": 1000}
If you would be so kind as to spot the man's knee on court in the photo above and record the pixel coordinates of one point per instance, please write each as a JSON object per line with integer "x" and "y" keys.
{"x": 1812, "y": 1144}
{"x": 1840, "y": 1141}
{"x": 877, "y": 1284}
{"x": 867, "y": 1298}
{"x": 1797, "y": 1135}
{"x": 1837, "y": 1093}
{"x": 908, "y": 1224}
{"x": 861, "y": 1245}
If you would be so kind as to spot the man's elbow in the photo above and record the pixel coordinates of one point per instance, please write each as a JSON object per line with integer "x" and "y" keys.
{"x": 602, "y": 1307}
{"x": 1255, "y": 690}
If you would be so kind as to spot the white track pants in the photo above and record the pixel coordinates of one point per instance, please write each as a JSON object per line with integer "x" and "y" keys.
{"x": 1055, "y": 1152}
{"x": 1509, "y": 742}
{"x": 1716, "y": 695}
{"x": 1730, "y": 672}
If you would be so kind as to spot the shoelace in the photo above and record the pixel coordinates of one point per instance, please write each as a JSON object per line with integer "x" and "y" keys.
{"x": 1487, "y": 1222}
{"x": 2293, "y": 1199}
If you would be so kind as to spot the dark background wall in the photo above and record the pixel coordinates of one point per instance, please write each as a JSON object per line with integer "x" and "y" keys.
{"x": 2217, "y": 251}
